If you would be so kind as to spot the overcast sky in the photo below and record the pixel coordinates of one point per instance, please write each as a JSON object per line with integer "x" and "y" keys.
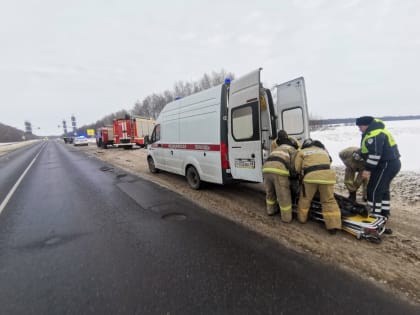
{"x": 91, "y": 58}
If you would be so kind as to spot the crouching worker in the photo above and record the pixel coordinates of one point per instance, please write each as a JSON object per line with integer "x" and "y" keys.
{"x": 353, "y": 179}
{"x": 276, "y": 171}
{"x": 313, "y": 164}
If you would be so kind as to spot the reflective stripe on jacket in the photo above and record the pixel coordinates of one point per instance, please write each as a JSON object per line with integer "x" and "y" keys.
{"x": 313, "y": 156}
{"x": 377, "y": 145}
{"x": 285, "y": 153}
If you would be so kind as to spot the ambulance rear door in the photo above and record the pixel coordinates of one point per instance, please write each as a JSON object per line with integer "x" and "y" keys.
{"x": 244, "y": 130}
{"x": 291, "y": 108}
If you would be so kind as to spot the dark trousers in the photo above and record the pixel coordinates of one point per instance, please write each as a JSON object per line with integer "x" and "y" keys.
{"x": 378, "y": 196}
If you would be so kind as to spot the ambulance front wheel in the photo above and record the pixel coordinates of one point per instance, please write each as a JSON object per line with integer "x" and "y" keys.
{"x": 152, "y": 167}
{"x": 193, "y": 178}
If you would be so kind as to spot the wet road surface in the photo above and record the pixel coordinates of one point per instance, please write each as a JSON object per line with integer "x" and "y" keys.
{"x": 81, "y": 237}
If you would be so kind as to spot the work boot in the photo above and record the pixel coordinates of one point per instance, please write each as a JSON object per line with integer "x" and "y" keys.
{"x": 386, "y": 214}
{"x": 352, "y": 196}
{"x": 272, "y": 212}
{"x": 365, "y": 212}
{"x": 332, "y": 231}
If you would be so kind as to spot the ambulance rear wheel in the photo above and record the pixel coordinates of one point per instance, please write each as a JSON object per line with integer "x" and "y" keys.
{"x": 152, "y": 167}
{"x": 193, "y": 178}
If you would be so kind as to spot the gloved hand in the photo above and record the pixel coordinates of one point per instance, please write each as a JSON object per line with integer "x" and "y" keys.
{"x": 357, "y": 155}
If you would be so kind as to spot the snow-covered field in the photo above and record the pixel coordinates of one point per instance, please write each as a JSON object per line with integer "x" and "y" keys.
{"x": 336, "y": 138}
{"x": 10, "y": 146}
{"x": 405, "y": 132}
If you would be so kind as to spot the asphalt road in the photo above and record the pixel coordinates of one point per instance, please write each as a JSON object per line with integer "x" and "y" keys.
{"x": 81, "y": 237}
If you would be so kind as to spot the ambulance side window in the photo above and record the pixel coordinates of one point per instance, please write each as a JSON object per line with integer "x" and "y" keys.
{"x": 155, "y": 134}
{"x": 245, "y": 122}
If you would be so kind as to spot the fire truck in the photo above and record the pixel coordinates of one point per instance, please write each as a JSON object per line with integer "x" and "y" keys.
{"x": 132, "y": 131}
{"x": 105, "y": 137}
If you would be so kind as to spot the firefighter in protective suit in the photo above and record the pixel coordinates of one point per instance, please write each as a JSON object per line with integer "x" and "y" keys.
{"x": 276, "y": 171}
{"x": 355, "y": 165}
{"x": 313, "y": 162}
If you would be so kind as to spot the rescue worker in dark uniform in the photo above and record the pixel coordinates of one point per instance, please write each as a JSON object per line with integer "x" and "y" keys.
{"x": 355, "y": 165}
{"x": 313, "y": 163}
{"x": 380, "y": 151}
{"x": 276, "y": 171}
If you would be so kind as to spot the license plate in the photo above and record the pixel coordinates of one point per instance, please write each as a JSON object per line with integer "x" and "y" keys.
{"x": 244, "y": 163}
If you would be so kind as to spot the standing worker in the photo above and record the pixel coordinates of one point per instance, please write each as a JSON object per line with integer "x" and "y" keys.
{"x": 355, "y": 165}
{"x": 313, "y": 163}
{"x": 380, "y": 151}
{"x": 276, "y": 170}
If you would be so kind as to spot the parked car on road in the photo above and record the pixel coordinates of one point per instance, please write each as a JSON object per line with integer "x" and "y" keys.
{"x": 81, "y": 140}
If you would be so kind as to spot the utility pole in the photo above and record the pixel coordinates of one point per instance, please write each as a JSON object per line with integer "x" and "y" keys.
{"x": 65, "y": 128}
{"x": 28, "y": 127}
{"x": 73, "y": 124}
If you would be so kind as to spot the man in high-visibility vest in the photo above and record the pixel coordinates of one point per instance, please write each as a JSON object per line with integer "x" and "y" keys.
{"x": 380, "y": 151}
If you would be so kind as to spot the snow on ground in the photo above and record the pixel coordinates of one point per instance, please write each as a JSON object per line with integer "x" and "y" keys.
{"x": 405, "y": 132}
{"x": 10, "y": 146}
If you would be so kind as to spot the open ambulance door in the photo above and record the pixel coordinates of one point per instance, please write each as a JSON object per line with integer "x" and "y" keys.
{"x": 244, "y": 134}
{"x": 291, "y": 108}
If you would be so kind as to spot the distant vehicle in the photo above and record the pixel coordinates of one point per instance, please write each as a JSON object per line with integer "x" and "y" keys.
{"x": 81, "y": 140}
{"x": 225, "y": 133}
{"x": 143, "y": 128}
{"x": 68, "y": 140}
{"x": 132, "y": 131}
{"x": 105, "y": 137}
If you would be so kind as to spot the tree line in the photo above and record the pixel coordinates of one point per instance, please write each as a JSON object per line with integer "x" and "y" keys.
{"x": 317, "y": 123}
{"x": 152, "y": 105}
{"x": 12, "y": 134}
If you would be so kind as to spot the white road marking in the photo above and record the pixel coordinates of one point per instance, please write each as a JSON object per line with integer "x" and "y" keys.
{"x": 15, "y": 186}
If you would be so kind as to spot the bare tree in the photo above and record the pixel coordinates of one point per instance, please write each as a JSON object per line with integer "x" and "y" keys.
{"x": 152, "y": 105}
{"x": 205, "y": 82}
{"x": 142, "y": 108}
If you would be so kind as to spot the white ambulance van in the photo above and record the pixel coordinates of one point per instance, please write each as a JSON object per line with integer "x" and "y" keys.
{"x": 224, "y": 134}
